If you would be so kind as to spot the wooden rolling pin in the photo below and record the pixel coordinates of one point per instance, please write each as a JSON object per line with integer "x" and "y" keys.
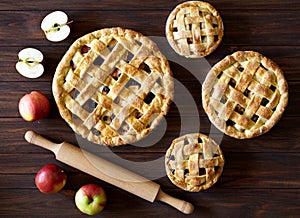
{"x": 108, "y": 172}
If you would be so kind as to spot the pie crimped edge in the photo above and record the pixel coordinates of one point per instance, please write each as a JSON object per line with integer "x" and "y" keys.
{"x": 149, "y": 53}
{"x": 197, "y": 48}
{"x": 194, "y": 162}
{"x": 256, "y": 70}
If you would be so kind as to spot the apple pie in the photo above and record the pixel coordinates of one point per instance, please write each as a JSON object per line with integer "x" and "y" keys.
{"x": 113, "y": 86}
{"x": 194, "y": 162}
{"x": 194, "y": 29}
{"x": 245, "y": 94}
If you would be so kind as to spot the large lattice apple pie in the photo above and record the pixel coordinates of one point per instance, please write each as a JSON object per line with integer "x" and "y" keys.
{"x": 245, "y": 94}
{"x": 113, "y": 86}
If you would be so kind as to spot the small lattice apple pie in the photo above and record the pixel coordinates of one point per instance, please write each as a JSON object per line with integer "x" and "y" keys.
{"x": 194, "y": 162}
{"x": 194, "y": 29}
{"x": 245, "y": 94}
{"x": 113, "y": 86}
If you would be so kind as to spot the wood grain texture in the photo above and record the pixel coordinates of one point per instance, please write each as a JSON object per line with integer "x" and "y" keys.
{"x": 261, "y": 177}
{"x": 13, "y": 130}
{"x": 121, "y": 5}
{"x": 258, "y": 29}
{"x": 257, "y": 172}
{"x": 285, "y": 56}
{"x": 10, "y": 103}
{"x": 242, "y": 203}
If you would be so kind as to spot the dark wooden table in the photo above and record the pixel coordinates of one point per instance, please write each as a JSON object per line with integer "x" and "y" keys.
{"x": 261, "y": 175}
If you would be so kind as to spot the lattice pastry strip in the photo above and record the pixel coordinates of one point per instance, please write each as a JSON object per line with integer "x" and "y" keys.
{"x": 94, "y": 85}
{"x": 194, "y": 162}
{"x": 245, "y": 94}
{"x": 194, "y": 29}
{"x": 113, "y": 86}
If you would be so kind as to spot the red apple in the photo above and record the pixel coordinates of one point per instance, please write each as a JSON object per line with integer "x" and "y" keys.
{"x": 50, "y": 179}
{"x": 34, "y": 106}
{"x": 90, "y": 199}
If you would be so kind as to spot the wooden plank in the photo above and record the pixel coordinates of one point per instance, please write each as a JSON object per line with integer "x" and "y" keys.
{"x": 184, "y": 97}
{"x": 286, "y": 57}
{"x": 241, "y": 171}
{"x": 92, "y": 5}
{"x": 148, "y": 4}
{"x": 257, "y": 30}
{"x": 223, "y": 203}
{"x": 276, "y": 140}
{"x": 52, "y": 56}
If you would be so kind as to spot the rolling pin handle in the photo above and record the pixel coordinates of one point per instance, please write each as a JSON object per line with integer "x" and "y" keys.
{"x": 34, "y": 138}
{"x": 181, "y": 205}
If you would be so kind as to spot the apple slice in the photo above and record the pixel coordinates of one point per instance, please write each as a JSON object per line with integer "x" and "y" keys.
{"x": 29, "y": 64}
{"x": 55, "y": 26}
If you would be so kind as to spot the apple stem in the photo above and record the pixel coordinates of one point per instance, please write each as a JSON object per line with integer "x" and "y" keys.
{"x": 71, "y": 21}
{"x": 90, "y": 200}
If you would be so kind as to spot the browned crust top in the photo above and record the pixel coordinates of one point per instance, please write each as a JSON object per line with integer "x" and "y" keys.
{"x": 97, "y": 40}
{"x": 198, "y": 48}
{"x": 257, "y": 101}
{"x": 194, "y": 162}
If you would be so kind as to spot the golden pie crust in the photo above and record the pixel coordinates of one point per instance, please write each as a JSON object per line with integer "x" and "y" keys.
{"x": 113, "y": 86}
{"x": 194, "y": 29}
{"x": 245, "y": 94}
{"x": 194, "y": 162}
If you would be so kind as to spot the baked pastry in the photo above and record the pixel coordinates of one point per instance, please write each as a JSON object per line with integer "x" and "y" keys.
{"x": 194, "y": 162}
{"x": 194, "y": 29}
{"x": 113, "y": 86}
{"x": 245, "y": 94}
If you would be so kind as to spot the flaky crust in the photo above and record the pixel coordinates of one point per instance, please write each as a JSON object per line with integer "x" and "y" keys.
{"x": 194, "y": 162}
{"x": 245, "y": 94}
{"x": 199, "y": 29}
{"x": 102, "y": 42}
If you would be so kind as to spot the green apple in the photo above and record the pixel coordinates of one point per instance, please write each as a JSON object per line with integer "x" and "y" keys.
{"x": 90, "y": 199}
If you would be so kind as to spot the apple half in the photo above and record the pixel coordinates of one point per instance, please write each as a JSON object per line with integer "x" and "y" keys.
{"x": 56, "y": 26}
{"x": 29, "y": 64}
